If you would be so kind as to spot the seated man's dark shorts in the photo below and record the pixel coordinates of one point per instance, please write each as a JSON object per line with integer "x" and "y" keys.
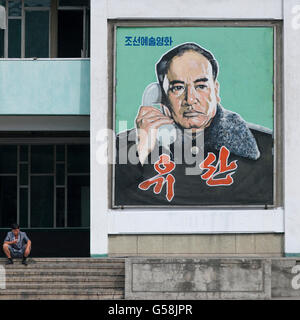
{"x": 16, "y": 253}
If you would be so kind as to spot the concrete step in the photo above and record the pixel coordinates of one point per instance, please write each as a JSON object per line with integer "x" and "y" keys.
{"x": 63, "y": 294}
{"x": 71, "y": 260}
{"x": 62, "y": 297}
{"x": 64, "y": 278}
{"x": 64, "y": 272}
{"x": 40, "y": 266}
{"x": 63, "y": 291}
{"x": 25, "y": 286}
{"x": 59, "y": 279}
{"x": 86, "y": 296}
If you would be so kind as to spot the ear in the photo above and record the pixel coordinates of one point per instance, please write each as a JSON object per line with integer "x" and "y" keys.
{"x": 217, "y": 91}
{"x": 166, "y": 111}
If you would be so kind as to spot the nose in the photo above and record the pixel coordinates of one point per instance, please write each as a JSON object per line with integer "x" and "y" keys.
{"x": 190, "y": 95}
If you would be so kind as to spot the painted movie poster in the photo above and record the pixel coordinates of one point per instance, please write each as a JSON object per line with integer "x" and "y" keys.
{"x": 193, "y": 116}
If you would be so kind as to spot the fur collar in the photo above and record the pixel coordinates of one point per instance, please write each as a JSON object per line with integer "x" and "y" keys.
{"x": 230, "y": 130}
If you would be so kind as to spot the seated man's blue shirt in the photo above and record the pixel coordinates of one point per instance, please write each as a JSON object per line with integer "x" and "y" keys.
{"x": 22, "y": 240}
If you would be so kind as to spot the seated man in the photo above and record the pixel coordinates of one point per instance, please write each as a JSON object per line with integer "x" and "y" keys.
{"x": 17, "y": 245}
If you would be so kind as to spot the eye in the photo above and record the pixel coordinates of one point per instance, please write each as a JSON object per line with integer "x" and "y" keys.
{"x": 200, "y": 86}
{"x": 177, "y": 89}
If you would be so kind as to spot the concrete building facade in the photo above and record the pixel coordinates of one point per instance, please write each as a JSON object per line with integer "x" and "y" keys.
{"x": 56, "y": 103}
{"x": 203, "y": 231}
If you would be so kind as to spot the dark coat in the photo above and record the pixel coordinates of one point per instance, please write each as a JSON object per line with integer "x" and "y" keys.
{"x": 251, "y": 146}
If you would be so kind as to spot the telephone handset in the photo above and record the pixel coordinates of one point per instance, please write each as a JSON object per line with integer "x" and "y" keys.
{"x": 152, "y": 96}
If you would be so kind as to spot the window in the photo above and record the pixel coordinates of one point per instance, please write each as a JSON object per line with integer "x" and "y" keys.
{"x": 45, "y": 28}
{"x": 73, "y": 28}
{"x": 45, "y": 186}
{"x": 28, "y": 27}
{"x": 37, "y": 34}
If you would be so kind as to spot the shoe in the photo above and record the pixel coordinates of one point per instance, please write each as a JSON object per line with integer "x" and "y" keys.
{"x": 10, "y": 261}
{"x": 24, "y": 262}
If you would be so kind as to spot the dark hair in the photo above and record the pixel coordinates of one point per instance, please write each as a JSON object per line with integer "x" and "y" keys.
{"x": 15, "y": 226}
{"x": 163, "y": 65}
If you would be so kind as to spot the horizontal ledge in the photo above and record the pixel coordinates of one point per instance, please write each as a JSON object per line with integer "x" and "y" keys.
{"x": 45, "y": 123}
{"x": 233, "y": 9}
{"x": 201, "y": 222}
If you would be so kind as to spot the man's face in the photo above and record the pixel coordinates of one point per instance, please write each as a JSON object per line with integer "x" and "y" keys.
{"x": 193, "y": 94}
{"x": 16, "y": 232}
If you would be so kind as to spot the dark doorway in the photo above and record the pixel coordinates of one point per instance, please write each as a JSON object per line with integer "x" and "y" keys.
{"x": 60, "y": 243}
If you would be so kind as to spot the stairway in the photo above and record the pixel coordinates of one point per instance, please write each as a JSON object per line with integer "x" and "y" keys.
{"x": 64, "y": 279}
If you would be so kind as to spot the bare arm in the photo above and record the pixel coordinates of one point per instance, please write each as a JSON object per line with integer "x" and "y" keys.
{"x": 28, "y": 244}
{"x": 10, "y": 242}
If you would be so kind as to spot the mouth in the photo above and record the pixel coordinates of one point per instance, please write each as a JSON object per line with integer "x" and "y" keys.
{"x": 191, "y": 114}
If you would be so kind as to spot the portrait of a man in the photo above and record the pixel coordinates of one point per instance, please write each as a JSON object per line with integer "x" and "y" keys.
{"x": 213, "y": 157}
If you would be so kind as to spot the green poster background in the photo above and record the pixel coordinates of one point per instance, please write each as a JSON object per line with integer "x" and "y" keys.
{"x": 244, "y": 54}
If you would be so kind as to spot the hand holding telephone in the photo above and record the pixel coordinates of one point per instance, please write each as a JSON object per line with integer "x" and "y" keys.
{"x": 155, "y": 121}
{"x": 166, "y": 133}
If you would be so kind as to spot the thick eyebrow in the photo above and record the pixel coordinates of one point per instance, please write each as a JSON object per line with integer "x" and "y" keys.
{"x": 176, "y": 81}
{"x": 182, "y": 82}
{"x": 201, "y": 80}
